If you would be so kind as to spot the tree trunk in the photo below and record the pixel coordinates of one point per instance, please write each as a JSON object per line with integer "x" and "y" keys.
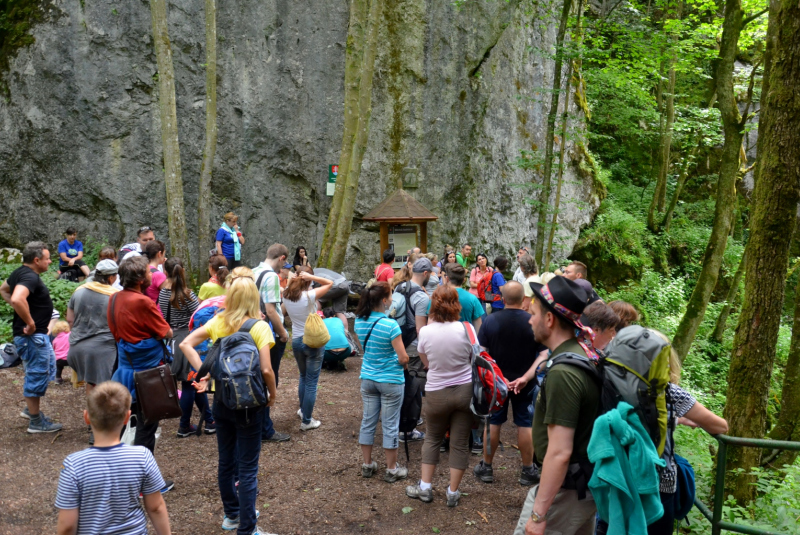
{"x": 204, "y": 230}
{"x": 341, "y": 236}
{"x": 664, "y": 149}
{"x": 774, "y": 213}
{"x": 733, "y": 128}
{"x": 788, "y": 426}
{"x": 356, "y": 33}
{"x": 176, "y": 214}
{"x": 722, "y": 319}
{"x": 544, "y": 198}
{"x": 667, "y": 221}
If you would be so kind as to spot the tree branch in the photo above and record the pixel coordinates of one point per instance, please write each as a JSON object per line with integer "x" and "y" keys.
{"x": 754, "y": 16}
{"x": 750, "y": 86}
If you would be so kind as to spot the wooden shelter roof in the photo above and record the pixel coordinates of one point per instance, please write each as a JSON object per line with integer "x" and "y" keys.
{"x": 400, "y": 206}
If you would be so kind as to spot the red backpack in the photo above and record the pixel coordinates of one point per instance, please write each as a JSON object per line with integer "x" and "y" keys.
{"x": 485, "y": 286}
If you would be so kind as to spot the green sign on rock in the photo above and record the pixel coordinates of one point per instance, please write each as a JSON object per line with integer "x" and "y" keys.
{"x": 333, "y": 171}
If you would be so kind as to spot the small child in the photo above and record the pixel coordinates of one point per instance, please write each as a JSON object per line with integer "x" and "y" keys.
{"x": 98, "y": 489}
{"x": 60, "y": 336}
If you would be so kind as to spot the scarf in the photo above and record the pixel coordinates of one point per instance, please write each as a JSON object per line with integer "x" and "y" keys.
{"x": 105, "y": 289}
{"x": 585, "y": 335}
{"x": 237, "y": 248}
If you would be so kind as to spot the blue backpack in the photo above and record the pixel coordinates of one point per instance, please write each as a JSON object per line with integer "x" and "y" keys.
{"x": 236, "y": 369}
{"x": 685, "y": 489}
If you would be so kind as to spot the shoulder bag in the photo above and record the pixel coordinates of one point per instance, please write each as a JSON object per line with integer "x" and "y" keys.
{"x": 156, "y": 391}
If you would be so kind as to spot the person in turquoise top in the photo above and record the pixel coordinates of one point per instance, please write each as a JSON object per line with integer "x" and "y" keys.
{"x": 471, "y": 309}
{"x": 338, "y": 347}
{"x": 382, "y": 379}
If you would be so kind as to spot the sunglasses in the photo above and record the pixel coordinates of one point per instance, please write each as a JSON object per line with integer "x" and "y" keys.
{"x": 144, "y": 229}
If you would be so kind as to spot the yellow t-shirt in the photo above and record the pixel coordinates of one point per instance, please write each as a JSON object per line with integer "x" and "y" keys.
{"x": 210, "y": 289}
{"x": 261, "y": 332}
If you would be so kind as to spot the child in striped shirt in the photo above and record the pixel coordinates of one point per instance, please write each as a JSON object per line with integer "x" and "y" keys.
{"x": 99, "y": 487}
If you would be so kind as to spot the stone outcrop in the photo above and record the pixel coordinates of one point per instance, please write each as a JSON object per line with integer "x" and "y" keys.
{"x": 458, "y": 93}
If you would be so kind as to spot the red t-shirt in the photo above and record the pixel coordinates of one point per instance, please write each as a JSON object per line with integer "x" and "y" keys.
{"x": 136, "y": 317}
{"x": 384, "y": 273}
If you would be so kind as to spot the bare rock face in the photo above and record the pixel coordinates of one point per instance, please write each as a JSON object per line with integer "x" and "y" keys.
{"x": 458, "y": 93}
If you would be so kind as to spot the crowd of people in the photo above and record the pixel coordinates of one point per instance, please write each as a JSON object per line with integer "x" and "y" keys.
{"x": 418, "y": 324}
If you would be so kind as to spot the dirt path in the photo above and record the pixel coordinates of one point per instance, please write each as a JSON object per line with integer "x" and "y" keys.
{"x": 309, "y": 485}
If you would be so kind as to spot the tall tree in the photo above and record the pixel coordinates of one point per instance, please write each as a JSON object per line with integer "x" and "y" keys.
{"x": 362, "y": 44}
{"x": 664, "y": 149}
{"x": 773, "y": 218}
{"x": 176, "y": 214}
{"x": 552, "y": 114}
{"x": 733, "y": 128}
{"x": 204, "y": 231}
{"x": 722, "y": 319}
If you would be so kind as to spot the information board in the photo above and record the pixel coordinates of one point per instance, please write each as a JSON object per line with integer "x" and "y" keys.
{"x": 401, "y": 239}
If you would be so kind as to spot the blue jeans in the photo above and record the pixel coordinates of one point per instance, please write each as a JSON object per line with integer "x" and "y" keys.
{"x": 275, "y": 356}
{"x": 189, "y": 397}
{"x": 309, "y": 362}
{"x": 384, "y": 400}
{"x": 39, "y": 358}
{"x": 239, "y": 446}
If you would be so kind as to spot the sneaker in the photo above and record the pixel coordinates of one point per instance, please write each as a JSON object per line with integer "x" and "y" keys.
{"x": 313, "y": 424}
{"x": 184, "y": 432}
{"x": 414, "y": 436}
{"x": 25, "y": 414}
{"x": 230, "y": 524}
{"x": 400, "y": 472}
{"x": 452, "y": 499}
{"x": 210, "y": 428}
{"x": 43, "y": 425}
{"x": 477, "y": 447}
{"x": 420, "y": 422}
{"x": 529, "y": 476}
{"x": 277, "y": 437}
{"x": 300, "y": 413}
{"x": 258, "y": 531}
{"x": 168, "y": 486}
{"x": 484, "y": 473}
{"x": 59, "y": 381}
{"x": 367, "y": 470}
{"x": 413, "y": 491}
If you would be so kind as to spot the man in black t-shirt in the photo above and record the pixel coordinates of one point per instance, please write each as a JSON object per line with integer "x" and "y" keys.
{"x": 30, "y": 299}
{"x": 507, "y": 337}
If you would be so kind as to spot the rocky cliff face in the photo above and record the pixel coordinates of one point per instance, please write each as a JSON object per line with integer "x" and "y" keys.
{"x": 458, "y": 94}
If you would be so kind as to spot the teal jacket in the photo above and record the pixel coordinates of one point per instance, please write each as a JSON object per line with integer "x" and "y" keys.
{"x": 625, "y": 479}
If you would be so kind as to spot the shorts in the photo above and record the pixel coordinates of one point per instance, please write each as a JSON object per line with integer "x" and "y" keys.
{"x": 522, "y": 409}
{"x": 39, "y": 358}
{"x": 337, "y": 297}
{"x": 77, "y": 264}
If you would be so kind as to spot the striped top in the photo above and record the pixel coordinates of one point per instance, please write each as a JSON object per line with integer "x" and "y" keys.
{"x": 380, "y": 359}
{"x": 178, "y": 318}
{"x": 104, "y": 485}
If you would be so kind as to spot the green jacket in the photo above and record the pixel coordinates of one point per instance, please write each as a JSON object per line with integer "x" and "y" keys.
{"x": 624, "y": 485}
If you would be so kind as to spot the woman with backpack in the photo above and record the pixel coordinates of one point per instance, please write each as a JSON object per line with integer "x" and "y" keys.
{"x": 238, "y": 431}
{"x": 300, "y": 300}
{"x": 178, "y": 303}
{"x": 445, "y": 348}
{"x": 498, "y": 281}
{"x": 481, "y": 271}
{"x": 382, "y": 379}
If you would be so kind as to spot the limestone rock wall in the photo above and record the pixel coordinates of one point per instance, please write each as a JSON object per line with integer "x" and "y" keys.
{"x": 457, "y": 94}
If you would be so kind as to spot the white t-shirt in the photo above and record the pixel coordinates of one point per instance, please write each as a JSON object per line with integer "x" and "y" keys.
{"x": 298, "y": 311}
{"x": 448, "y": 350}
{"x": 519, "y": 276}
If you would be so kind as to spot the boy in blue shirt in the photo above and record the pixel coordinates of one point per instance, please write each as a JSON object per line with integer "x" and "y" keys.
{"x": 99, "y": 487}
{"x": 70, "y": 252}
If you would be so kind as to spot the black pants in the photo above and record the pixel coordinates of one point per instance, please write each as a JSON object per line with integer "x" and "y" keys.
{"x": 60, "y": 365}
{"x": 145, "y": 433}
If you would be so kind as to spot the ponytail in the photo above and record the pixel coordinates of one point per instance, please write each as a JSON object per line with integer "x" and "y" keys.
{"x": 179, "y": 290}
{"x": 219, "y": 265}
{"x": 222, "y": 275}
{"x": 371, "y": 298}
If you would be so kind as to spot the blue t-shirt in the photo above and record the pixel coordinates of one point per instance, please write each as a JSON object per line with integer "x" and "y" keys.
{"x": 227, "y": 242}
{"x": 471, "y": 308}
{"x": 104, "y": 485}
{"x": 336, "y": 330}
{"x": 71, "y": 250}
{"x": 380, "y": 359}
{"x": 497, "y": 282}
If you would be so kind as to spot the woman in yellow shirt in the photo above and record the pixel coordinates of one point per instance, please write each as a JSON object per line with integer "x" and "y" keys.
{"x": 238, "y": 431}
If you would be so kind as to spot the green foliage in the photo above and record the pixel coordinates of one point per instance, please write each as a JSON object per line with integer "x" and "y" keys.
{"x": 16, "y": 18}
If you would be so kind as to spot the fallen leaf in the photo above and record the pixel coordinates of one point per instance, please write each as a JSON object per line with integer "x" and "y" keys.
{"x": 407, "y": 510}
{"x": 265, "y": 505}
{"x": 483, "y": 516}
{"x": 436, "y": 530}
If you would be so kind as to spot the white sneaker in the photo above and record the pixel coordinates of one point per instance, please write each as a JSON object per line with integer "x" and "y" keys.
{"x": 313, "y": 424}
{"x": 300, "y": 413}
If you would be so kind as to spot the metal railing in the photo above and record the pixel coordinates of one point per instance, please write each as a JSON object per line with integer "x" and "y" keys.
{"x": 715, "y": 516}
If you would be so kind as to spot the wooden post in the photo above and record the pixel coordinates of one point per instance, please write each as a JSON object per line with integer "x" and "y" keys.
{"x": 423, "y": 236}
{"x": 384, "y": 238}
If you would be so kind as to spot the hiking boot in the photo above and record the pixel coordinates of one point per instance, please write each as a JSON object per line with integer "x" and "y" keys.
{"x": 477, "y": 447}
{"x": 230, "y": 524}
{"x": 277, "y": 437}
{"x": 452, "y": 499}
{"x": 400, "y": 472}
{"x": 484, "y": 473}
{"x": 43, "y": 425}
{"x": 413, "y": 491}
{"x": 210, "y": 428}
{"x": 313, "y": 424}
{"x": 529, "y": 476}
{"x": 367, "y": 470}
{"x": 184, "y": 432}
{"x": 168, "y": 486}
{"x": 414, "y": 436}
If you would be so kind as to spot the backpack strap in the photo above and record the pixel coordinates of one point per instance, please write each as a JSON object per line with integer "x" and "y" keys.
{"x": 366, "y": 340}
{"x": 248, "y": 325}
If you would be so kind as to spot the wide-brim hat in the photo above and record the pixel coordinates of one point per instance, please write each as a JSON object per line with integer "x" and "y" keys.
{"x": 562, "y": 297}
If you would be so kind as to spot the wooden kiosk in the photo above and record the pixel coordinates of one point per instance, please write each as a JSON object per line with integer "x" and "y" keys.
{"x": 402, "y": 219}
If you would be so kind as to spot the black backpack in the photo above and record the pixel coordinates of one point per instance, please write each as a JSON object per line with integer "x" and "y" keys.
{"x": 407, "y": 322}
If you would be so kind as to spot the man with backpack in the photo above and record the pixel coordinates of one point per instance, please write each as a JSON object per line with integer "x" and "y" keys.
{"x": 566, "y": 408}
{"x": 269, "y": 287}
{"x": 143, "y": 235}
